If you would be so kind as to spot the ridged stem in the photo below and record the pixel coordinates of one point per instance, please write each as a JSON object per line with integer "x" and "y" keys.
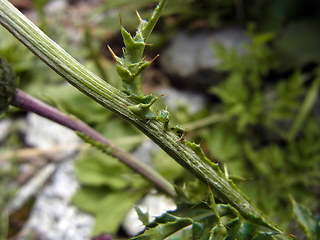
{"x": 90, "y": 84}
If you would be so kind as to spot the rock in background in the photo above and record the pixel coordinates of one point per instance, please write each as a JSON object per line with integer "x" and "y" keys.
{"x": 189, "y": 60}
{"x": 53, "y": 216}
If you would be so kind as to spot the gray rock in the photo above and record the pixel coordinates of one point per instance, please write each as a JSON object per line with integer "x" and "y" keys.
{"x": 174, "y": 98}
{"x": 4, "y": 128}
{"x": 31, "y": 187}
{"x": 190, "y": 59}
{"x": 53, "y": 217}
{"x": 154, "y": 204}
{"x": 145, "y": 151}
{"x": 44, "y": 134}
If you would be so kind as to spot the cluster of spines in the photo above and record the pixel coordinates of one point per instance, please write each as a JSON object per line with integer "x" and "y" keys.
{"x": 130, "y": 67}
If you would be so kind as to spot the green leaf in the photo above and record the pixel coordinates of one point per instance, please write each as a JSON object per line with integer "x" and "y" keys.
{"x": 305, "y": 109}
{"x": 111, "y": 211}
{"x": 223, "y": 142}
{"x": 163, "y": 227}
{"x": 219, "y": 232}
{"x": 87, "y": 198}
{"x": 143, "y": 217}
{"x": 118, "y": 131}
{"x": 97, "y": 169}
{"x": 164, "y": 165}
{"x": 308, "y": 224}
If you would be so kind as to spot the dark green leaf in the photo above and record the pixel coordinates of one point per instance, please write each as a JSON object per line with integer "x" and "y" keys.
{"x": 163, "y": 227}
{"x": 309, "y": 224}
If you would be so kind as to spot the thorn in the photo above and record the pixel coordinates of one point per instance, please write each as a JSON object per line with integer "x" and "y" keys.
{"x": 120, "y": 20}
{"x": 291, "y": 235}
{"x": 124, "y": 50}
{"x": 154, "y": 58}
{"x": 162, "y": 96}
{"x": 114, "y": 56}
{"x": 140, "y": 19}
{"x": 226, "y": 171}
{"x": 148, "y": 44}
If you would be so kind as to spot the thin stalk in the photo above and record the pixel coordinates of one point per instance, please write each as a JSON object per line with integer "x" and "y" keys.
{"x": 115, "y": 100}
{"x": 305, "y": 109}
{"x": 27, "y": 102}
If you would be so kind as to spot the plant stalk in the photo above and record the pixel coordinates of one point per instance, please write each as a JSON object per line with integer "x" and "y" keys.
{"x": 115, "y": 100}
{"x": 24, "y": 101}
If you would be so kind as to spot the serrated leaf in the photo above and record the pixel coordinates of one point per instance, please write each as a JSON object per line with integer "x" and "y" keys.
{"x": 163, "y": 227}
{"x": 203, "y": 217}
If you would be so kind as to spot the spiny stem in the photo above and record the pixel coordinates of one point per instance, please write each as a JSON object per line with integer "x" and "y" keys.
{"x": 154, "y": 19}
{"x": 115, "y": 100}
{"x": 27, "y": 102}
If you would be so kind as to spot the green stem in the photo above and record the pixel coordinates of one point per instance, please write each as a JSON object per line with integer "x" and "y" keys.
{"x": 90, "y": 84}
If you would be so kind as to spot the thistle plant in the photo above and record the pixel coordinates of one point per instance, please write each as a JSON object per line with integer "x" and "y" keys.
{"x": 132, "y": 105}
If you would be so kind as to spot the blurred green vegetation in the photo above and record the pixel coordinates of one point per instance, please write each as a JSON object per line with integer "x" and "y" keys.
{"x": 267, "y": 132}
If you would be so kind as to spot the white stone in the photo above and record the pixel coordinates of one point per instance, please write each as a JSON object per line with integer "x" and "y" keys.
{"x": 155, "y": 205}
{"x": 4, "y": 128}
{"x": 187, "y": 54}
{"x": 174, "y": 98}
{"x": 43, "y": 133}
{"x": 53, "y": 216}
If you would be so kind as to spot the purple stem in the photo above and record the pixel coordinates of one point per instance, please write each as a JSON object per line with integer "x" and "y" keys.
{"x": 31, "y": 104}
